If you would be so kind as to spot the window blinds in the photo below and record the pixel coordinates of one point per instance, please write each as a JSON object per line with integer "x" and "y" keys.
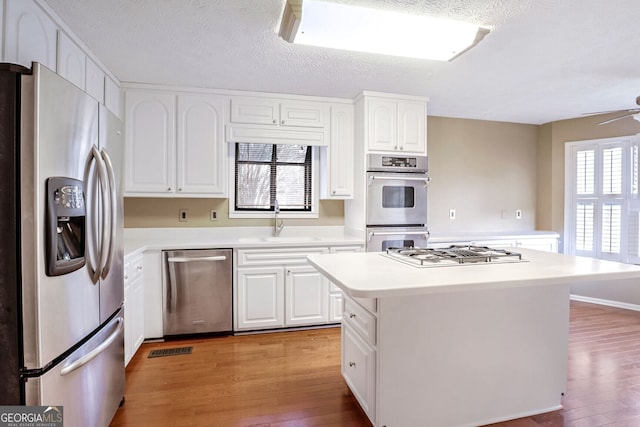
{"x": 266, "y": 173}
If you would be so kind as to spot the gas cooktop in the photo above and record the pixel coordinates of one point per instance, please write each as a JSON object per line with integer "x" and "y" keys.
{"x": 454, "y": 255}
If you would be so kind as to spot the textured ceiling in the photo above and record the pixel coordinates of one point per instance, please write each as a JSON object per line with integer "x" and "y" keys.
{"x": 544, "y": 60}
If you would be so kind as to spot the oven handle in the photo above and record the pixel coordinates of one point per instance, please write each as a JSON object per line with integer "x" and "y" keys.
{"x": 397, "y": 233}
{"x": 399, "y": 178}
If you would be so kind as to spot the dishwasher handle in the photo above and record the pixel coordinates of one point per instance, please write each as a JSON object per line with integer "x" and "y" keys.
{"x": 197, "y": 259}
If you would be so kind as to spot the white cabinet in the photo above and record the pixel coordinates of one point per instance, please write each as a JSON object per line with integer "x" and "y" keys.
{"x": 395, "y": 125}
{"x": 29, "y": 35}
{"x": 202, "y": 152}
{"x": 359, "y": 362}
{"x": 133, "y": 305}
{"x": 158, "y": 163}
{"x": 337, "y": 158}
{"x": 276, "y": 288}
{"x": 259, "y": 298}
{"x": 71, "y": 60}
{"x": 150, "y": 148}
{"x": 112, "y": 96}
{"x": 274, "y": 112}
{"x": 548, "y": 244}
{"x": 306, "y": 299}
{"x": 94, "y": 80}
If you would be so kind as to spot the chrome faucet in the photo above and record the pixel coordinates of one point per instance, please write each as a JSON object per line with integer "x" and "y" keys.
{"x": 277, "y": 228}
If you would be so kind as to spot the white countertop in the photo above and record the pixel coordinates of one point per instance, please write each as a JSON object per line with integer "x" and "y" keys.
{"x": 140, "y": 239}
{"x": 373, "y": 275}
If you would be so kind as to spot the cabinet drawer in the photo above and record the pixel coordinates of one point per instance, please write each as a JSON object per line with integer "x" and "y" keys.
{"x": 359, "y": 369}
{"x": 363, "y": 322}
{"x": 288, "y": 256}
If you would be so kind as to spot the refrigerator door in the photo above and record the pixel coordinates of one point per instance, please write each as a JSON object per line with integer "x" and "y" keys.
{"x": 112, "y": 152}
{"x": 59, "y": 127}
{"x": 89, "y": 384}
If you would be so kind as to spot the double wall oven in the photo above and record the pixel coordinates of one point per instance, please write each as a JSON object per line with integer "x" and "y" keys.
{"x": 396, "y": 201}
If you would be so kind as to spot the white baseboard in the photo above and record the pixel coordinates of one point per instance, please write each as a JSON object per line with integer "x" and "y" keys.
{"x": 610, "y": 303}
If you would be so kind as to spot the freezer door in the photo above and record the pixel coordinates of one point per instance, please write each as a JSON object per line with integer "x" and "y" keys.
{"x": 89, "y": 384}
{"x": 59, "y": 126}
{"x": 197, "y": 291}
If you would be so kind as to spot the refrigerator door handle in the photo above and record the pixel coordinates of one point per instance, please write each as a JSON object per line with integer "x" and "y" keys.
{"x": 92, "y": 245}
{"x": 111, "y": 210}
{"x": 79, "y": 363}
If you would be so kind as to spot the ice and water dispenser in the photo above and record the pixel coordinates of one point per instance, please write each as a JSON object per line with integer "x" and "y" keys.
{"x": 66, "y": 225}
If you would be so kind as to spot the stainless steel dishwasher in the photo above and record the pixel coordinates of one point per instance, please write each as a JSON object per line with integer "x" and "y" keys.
{"x": 196, "y": 295}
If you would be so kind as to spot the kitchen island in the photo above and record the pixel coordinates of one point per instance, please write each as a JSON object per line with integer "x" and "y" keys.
{"x": 458, "y": 346}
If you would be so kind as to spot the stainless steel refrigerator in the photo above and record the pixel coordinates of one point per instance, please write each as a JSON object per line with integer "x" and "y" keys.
{"x": 61, "y": 256}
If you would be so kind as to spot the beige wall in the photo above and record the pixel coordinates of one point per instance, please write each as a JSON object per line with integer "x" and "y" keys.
{"x": 143, "y": 212}
{"x": 485, "y": 171}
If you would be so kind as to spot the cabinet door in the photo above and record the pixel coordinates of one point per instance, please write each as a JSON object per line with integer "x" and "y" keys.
{"x": 336, "y": 305}
{"x": 94, "y": 80}
{"x": 382, "y": 125}
{"x": 150, "y": 133}
{"x": 29, "y": 35}
{"x": 306, "y": 114}
{"x": 202, "y": 153}
{"x": 112, "y": 96}
{"x": 71, "y": 60}
{"x": 137, "y": 313}
{"x": 254, "y": 111}
{"x": 412, "y": 127}
{"x": 260, "y": 298}
{"x": 305, "y": 296}
{"x": 359, "y": 369}
{"x": 340, "y": 158}
{"x": 128, "y": 347}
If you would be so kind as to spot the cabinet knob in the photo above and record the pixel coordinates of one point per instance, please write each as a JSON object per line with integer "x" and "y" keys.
{"x": 282, "y": 122}
{"x": 352, "y": 364}
{"x": 275, "y": 121}
{"x": 352, "y": 315}
{"x": 139, "y": 267}
{"x": 169, "y": 189}
{"x": 179, "y": 189}
{"x": 401, "y": 147}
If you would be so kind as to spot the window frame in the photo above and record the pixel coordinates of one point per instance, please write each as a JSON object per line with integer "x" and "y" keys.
{"x": 626, "y": 198}
{"x": 251, "y": 214}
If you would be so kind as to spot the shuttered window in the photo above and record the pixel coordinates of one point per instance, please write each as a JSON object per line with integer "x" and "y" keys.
{"x": 602, "y": 199}
{"x": 270, "y": 173}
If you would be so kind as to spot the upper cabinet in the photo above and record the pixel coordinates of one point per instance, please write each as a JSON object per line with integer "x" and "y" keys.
{"x": 394, "y": 123}
{"x": 32, "y": 32}
{"x": 29, "y": 35}
{"x": 274, "y": 112}
{"x": 71, "y": 60}
{"x": 337, "y": 159}
{"x": 175, "y": 144}
{"x": 202, "y": 152}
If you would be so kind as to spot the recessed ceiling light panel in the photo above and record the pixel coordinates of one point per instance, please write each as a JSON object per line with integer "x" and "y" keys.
{"x": 347, "y": 27}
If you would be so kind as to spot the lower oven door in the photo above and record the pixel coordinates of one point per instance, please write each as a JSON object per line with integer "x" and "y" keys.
{"x": 396, "y": 198}
{"x": 379, "y": 239}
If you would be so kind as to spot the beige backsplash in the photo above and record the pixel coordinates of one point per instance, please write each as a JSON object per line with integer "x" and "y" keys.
{"x": 143, "y": 212}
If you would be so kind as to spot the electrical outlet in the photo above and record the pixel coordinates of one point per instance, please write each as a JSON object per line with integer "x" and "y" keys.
{"x": 183, "y": 215}
{"x": 518, "y": 214}
{"x": 452, "y": 214}
{"x": 213, "y": 216}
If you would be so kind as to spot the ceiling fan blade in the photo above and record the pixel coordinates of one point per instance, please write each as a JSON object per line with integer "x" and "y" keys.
{"x": 615, "y": 119}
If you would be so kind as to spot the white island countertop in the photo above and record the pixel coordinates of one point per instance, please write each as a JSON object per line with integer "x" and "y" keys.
{"x": 374, "y": 275}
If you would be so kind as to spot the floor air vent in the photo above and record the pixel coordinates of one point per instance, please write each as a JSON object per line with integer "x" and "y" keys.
{"x": 170, "y": 352}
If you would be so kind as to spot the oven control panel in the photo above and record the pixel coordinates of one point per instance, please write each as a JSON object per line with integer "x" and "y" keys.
{"x": 397, "y": 163}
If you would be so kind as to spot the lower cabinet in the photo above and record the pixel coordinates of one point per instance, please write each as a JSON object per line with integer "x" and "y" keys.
{"x": 359, "y": 353}
{"x": 133, "y": 306}
{"x": 276, "y": 288}
{"x": 260, "y": 298}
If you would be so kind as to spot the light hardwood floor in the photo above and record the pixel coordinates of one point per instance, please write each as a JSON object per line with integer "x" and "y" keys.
{"x": 289, "y": 379}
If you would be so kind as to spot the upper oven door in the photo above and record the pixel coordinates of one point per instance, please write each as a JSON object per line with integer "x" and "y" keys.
{"x": 396, "y": 198}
